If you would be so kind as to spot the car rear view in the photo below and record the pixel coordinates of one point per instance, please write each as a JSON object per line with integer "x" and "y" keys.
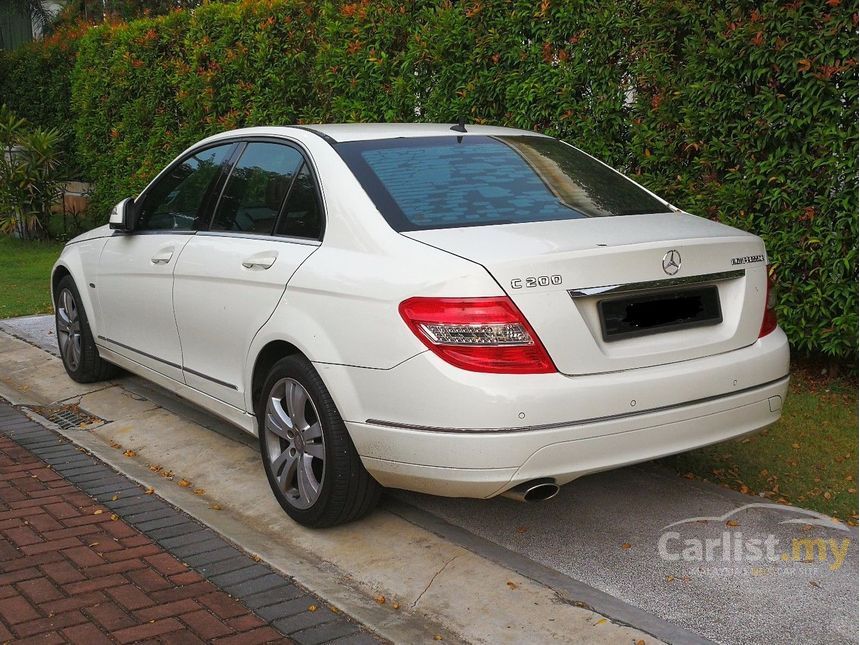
{"x": 623, "y": 328}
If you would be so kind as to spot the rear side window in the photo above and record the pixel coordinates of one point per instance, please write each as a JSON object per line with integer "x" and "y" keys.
{"x": 302, "y": 216}
{"x": 178, "y": 200}
{"x": 441, "y": 182}
{"x": 257, "y": 188}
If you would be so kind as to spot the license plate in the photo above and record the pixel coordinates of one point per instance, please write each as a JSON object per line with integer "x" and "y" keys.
{"x": 632, "y": 316}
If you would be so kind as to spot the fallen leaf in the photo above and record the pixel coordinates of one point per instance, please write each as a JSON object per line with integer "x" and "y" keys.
{"x": 670, "y": 578}
{"x": 184, "y": 483}
{"x": 626, "y": 546}
{"x": 689, "y": 476}
{"x": 640, "y": 642}
{"x": 601, "y": 621}
{"x": 130, "y": 453}
{"x": 814, "y": 584}
{"x": 380, "y": 599}
{"x": 149, "y": 490}
{"x": 395, "y": 605}
{"x": 215, "y": 507}
{"x": 93, "y": 544}
{"x": 98, "y": 511}
{"x": 744, "y": 489}
{"x": 114, "y": 517}
{"x": 114, "y": 444}
{"x": 437, "y": 637}
{"x": 522, "y": 529}
{"x": 312, "y": 608}
{"x": 199, "y": 491}
{"x": 256, "y": 558}
{"x": 732, "y": 523}
{"x": 114, "y": 498}
{"x": 512, "y": 585}
{"x": 154, "y": 467}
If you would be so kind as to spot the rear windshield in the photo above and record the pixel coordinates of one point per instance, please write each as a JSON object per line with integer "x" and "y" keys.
{"x": 443, "y": 182}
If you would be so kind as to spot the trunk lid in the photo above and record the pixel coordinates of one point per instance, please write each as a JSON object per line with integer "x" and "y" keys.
{"x": 558, "y": 273}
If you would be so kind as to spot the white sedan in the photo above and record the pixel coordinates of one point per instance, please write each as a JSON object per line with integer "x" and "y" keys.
{"x": 463, "y": 311}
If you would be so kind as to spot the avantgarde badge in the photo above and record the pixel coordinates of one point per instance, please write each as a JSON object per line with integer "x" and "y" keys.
{"x": 672, "y": 262}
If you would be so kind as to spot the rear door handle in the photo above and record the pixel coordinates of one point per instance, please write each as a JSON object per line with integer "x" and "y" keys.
{"x": 260, "y": 261}
{"x": 163, "y": 256}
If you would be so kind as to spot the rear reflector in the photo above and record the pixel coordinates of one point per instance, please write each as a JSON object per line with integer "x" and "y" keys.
{"x": 477, "y": 334}
{"x": 768, "y": 322}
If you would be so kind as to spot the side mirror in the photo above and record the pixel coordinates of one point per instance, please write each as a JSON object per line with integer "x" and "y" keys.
{"x": 122, "y": 215}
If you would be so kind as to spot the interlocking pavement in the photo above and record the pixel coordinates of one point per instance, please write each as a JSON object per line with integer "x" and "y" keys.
{"x": 88, "y": 556}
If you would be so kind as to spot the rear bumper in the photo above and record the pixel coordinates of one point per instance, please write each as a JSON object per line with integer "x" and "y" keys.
{"x": 565, "y": 453}
{"x": 429, "y": 427}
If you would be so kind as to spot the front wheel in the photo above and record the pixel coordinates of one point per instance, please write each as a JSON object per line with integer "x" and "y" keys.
{"x": 75, "y": 339}
{"x": 311, "y": 464}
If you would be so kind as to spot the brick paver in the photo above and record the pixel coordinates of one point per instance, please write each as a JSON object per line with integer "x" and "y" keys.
{"x": 114, "y": 566}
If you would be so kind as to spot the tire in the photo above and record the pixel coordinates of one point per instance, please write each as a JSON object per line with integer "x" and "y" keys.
{"x": 311, "y": 463}
{"x": 75, "y": 339}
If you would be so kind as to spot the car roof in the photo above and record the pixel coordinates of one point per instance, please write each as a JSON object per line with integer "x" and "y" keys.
{"x": 341, "y": 132}
{"x": 366, "y": 131}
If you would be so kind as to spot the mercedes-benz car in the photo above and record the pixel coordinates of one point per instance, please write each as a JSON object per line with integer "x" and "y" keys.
{"x": 466, "y": 311}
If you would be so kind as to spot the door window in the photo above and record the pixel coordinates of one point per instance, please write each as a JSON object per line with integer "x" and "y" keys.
{"x": 256, "y": 188}
{"x": 302, "y": 215}
{"x": 177, "y": 201}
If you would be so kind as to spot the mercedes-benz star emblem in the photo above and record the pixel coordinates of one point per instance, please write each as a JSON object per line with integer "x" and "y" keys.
{"x": 671, "y": 262}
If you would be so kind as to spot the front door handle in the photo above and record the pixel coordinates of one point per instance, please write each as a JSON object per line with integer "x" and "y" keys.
{"x": 260, "y": 261}
{"x": 163, "y": 256}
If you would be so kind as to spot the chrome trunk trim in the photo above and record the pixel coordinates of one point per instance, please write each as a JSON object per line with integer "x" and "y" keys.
{"x": 585, "y": 292}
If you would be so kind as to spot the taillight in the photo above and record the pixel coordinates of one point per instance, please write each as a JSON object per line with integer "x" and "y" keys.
{"x": 768, "y": 321}
{"x": 477, "y": 334}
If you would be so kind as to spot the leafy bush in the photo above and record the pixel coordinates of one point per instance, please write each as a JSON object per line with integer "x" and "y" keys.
{"x": 740, "y": 111}
{"x": 29, "y": 183}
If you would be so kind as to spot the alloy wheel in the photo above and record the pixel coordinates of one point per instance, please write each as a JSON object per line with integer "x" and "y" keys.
{"x": 295, "y": 446}
{"x": 69, "y": 329}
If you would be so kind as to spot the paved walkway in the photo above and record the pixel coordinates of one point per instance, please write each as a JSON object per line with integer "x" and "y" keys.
{"x": 87, "y": 556}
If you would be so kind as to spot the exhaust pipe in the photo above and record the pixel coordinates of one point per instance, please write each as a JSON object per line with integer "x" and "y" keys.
{"x": 536, "y": 490}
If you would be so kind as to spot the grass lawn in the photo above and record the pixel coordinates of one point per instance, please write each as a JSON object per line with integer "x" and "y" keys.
{"x": 25, "y": 276}
{"x": 807, "y": 459}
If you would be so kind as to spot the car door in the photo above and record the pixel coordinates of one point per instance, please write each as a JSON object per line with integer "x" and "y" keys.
{"x": 135, "y": 274}
{"x": 230, "y": 278}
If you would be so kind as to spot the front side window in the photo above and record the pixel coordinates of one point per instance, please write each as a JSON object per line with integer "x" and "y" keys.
{"x": 256, "y": 189}
{"x": 177, "y": 201}
{"x": 442, "y": 182}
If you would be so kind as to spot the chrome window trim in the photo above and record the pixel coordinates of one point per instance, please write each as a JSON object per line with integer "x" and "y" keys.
{"x": 585, "y": 292}
{"x": 307, "y": 241}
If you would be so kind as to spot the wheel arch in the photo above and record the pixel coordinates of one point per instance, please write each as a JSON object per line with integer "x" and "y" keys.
{"x": 73, "y": 262}
{"x": 266, "y": 357}
{"x": 59, "y": 272}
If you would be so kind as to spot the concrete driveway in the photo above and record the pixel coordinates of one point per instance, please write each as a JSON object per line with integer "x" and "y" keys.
{"x": 678, "y": 559}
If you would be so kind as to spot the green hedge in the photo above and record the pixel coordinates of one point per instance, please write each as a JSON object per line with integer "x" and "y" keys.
{"x": 740, "y": 111}
{"x": 35, "y": 83}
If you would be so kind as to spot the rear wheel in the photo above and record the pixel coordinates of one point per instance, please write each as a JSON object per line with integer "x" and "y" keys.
{"x": 75, "y": 339}
{"x": 310, "y": 461}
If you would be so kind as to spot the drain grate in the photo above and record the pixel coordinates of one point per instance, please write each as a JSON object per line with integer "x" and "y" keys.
{"x": 68, "y": 417}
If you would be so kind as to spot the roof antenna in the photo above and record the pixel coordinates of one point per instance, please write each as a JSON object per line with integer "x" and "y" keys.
{"x": 461, "y": 125}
